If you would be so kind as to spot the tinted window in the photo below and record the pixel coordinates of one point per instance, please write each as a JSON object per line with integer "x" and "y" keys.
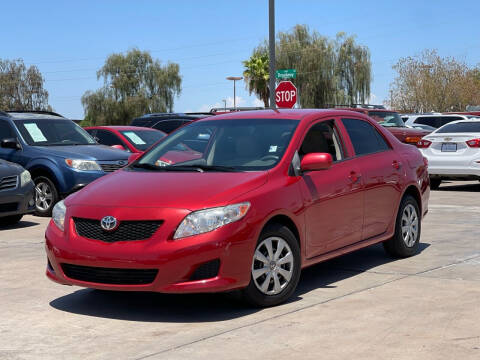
{"x": 365, "y": 138}
{"x": 462, "y": 127}
{"x": 322, "y": 138}
{"x": 5, "y": 130}
{"x": 143, "y": 139}
{"x": 430, "y": 121}
{"x": 446, "y": 120}
{"x": 387, "y": 118}
{"x": 168, "y": 126}
{"x": 108, "y": 138}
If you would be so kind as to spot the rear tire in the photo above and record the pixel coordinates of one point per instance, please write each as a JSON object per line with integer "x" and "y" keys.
{"x": 275, "y": 270}
{"x": 46, "y": 196}
{"x": 435, "y": 183}
{"x": 405, "y": 241}
{"x": 10, "y": 220}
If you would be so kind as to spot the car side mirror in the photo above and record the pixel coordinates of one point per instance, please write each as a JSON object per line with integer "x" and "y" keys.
{"x": 10, "y": 143}
{"x": 119, "y": 147}
{"x": 134, "y": 157}
{"x": 316, "y": 161}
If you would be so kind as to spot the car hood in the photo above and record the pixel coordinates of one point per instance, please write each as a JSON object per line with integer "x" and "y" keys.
{"x": 183, "y": 190}
{"x": 85, "y": 152}
{"x": 8, "y": 169}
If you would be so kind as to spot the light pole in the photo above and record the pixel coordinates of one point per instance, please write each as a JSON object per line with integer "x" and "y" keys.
{"x": 224, "y": 104}
{"x": 234, "y": 78}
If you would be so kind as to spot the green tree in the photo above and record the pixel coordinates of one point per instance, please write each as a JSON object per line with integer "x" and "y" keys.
{"x": 21, "y": 88}
{"x": 429, "y": 82}
{"x": 329, "y": 71}
{"x": 134, "y": 84}
{"x": 256, "y": 75}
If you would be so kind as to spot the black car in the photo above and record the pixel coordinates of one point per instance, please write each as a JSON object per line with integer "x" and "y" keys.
{"x": 167, "y": 122}
{"x": 16, "y": 193}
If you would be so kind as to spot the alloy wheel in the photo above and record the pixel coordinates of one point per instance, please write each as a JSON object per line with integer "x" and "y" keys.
{"x": 273, "y": 265}
{"x": 43, "y": 196}
{"x": 409, "y": 225}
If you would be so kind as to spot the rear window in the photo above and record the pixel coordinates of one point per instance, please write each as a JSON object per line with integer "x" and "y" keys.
{"x": 463, "y": 127}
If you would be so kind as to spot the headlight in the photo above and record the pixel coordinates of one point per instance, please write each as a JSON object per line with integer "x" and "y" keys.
{"x": 25, "y": 178}
{"x": 58, "y": 214}
{"x": 83, "y": 165}
{"x": 202, "y": 221}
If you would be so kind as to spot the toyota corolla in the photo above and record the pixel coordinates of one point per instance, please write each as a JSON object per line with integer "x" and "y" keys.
{"x": 271, "y": 193}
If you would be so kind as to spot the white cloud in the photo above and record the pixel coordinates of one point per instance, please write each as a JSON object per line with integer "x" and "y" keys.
{"x": 257, "y": 102}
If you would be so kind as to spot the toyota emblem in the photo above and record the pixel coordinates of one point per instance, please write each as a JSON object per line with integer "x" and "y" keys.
{"x": 108, "y": 223}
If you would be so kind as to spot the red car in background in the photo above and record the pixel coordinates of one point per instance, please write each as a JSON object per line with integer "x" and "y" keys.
{"x": 133, "y": 139}
{"x": 393, "y": 122}
{"x": 272, "y": 192}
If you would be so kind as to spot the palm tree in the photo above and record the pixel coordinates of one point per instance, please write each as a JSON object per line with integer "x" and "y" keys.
{"x": 256, "y": 75}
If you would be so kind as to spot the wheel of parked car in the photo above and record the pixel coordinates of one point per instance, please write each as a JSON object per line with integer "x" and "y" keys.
{"x": 435, "y": 183}
{"x": 46, "y": 196}
{"x": 405, "y": 241}
{"x": 10, "y": 220}
{"x": 275, "y": 267}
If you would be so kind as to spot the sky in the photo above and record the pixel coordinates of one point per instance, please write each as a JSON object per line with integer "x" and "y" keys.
{"x": 69, "y": 41}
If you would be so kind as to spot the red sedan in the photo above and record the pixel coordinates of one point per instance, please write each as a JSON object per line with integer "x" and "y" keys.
{"x": 271, "y": 193}
{"x": 130, "y": 138}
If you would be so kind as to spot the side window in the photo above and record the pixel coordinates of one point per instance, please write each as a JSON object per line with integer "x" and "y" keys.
{"x": 6, "y": 130}
{"x": 168, "y": 126}
{"x": 430, "y": 121}
{"x": 92, "y": 132}
{"x": 447, "y": 119}
{"x": 322, "y": 138}
{"x": 365, "y": 138}
{"x": 107, "y": 138}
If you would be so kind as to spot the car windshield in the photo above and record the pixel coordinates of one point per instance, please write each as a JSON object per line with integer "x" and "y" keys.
{"x": 143, "y": 139}
{"x": 461, "y": 127}
{"x": 222, "y": 145}
{"x": 50, "y": 132}
{"x": 387, "y": 118}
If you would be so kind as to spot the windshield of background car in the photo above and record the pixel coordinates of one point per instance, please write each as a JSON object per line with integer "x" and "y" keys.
{"x": 142, "y": 139}
{"x": 387, "y": 119}
{"x": 462, "y": 127}
{"x": 53, "y": 132}
{"x": 234, "y": 145}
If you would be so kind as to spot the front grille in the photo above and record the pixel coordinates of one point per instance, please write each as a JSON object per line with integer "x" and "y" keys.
{"x": 111, "y": 167}
{"x": 8, "y": 207}
{"x": 113, "y": 276}
{"x": 9, "y": 183}
{"x": 126, "y": 230}
{"x": 207, "y": 270}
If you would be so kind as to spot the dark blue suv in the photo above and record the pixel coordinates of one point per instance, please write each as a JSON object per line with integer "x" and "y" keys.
{"x": 60, "y": 155}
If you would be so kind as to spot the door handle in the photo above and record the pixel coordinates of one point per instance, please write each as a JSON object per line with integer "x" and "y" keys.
{"x": 396, "y": 164}
{"x": 354, "y": 177}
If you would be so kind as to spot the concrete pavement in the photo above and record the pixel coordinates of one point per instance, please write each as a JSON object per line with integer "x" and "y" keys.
{"x": 363, "y": 305}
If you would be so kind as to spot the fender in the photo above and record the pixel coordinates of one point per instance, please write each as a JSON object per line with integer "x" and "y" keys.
{"x": 49, "y": 166}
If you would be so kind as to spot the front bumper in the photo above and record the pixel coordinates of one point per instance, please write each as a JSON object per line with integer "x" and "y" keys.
{"x": 175, "y": 260}
{"x": 18, "y": 201}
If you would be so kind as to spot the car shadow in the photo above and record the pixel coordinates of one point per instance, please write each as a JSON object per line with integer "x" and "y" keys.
{"x": 469, "y": 187}
{"x": 19, "y": 225}
{"x": 155, "y": 307}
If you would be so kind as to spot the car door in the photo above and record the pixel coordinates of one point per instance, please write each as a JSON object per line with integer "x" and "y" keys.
{"x": 382, "y": 171}
{"x": 333, "y": 198}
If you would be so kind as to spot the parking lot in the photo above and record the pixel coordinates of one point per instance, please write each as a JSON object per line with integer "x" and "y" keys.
{"x": 363, "y": 305}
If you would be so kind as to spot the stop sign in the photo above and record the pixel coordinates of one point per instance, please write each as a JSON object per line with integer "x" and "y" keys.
{"x": 286, "y": 95}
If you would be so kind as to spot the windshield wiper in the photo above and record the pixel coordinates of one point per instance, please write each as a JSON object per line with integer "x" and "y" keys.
{"x": 164, "y": 168}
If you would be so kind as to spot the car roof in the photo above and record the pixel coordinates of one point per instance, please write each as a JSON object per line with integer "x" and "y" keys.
{"x": 294, "y": 114}
{"x": 31, "y": 114}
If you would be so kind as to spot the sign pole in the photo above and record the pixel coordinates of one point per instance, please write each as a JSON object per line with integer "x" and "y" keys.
{"x": 271, "y": 45}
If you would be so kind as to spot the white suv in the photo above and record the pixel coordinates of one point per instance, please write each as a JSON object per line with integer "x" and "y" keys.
{"x": 436, "y": 120}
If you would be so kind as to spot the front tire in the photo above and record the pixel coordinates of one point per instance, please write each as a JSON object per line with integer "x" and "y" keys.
{"x": 405, "y": 241}
{"x": 275, "y": 270}
{"x": 46, "y": 196}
